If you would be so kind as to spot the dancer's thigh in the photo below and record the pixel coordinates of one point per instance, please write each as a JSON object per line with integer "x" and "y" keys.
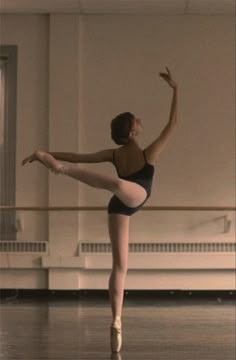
{"x": 130, "y": 193}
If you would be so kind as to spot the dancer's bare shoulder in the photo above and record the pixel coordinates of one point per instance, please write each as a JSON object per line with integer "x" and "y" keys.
{"x": 151, "y": 155}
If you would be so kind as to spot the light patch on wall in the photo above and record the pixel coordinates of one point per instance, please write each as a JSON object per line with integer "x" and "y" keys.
{"x": 2, "y": 99}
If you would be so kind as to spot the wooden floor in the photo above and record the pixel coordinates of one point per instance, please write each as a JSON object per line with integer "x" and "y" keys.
{"x": 158, "y": 329}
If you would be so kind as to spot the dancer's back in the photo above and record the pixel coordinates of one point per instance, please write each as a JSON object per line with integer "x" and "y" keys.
{"x": 129, "y": 159}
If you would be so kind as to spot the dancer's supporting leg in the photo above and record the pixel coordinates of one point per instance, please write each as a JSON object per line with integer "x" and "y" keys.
{"x": 119, "y": 236}
{"x": 131, "y": 194}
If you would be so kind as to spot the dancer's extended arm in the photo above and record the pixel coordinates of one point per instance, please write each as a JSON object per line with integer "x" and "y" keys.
{"x": 100, "y": 156}
{"x": 155, "y": 148}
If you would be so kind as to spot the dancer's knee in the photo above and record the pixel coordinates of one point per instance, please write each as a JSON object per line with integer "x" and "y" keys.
{"x": 120, "y": 268}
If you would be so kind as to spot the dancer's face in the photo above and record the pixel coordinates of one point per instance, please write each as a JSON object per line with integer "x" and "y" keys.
{"x": 137, "y": 127}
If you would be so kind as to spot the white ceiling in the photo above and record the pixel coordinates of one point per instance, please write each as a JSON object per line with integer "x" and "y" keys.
{"x": 158, "y": 7}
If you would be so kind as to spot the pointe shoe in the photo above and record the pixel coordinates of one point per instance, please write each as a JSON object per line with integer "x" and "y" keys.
{"x": 116, "y": 339}
{"x": 116, "y": 356}
{"x": 51, "y": 163}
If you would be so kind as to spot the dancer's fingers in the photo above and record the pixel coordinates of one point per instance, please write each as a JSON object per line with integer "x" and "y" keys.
{"x": 168, "y": 71}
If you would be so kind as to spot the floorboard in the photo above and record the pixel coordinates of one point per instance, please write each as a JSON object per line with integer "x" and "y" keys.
{"x": 158, "y": 329}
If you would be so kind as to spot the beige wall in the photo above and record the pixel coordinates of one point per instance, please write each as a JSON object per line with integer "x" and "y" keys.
{"x": 119, "y": 62}
{"x": 121, "y": 59}
{"x": 76, "y": 72}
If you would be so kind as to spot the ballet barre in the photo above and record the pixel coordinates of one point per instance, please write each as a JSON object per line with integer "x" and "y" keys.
{"x": 104, "y": 208}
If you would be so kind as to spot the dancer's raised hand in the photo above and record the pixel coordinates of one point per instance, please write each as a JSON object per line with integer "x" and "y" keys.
{"x": 168, "y": 78}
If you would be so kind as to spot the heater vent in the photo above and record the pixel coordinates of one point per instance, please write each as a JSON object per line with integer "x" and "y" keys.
{"x": 162, "y": 247}
{"x": 23, "y": 247}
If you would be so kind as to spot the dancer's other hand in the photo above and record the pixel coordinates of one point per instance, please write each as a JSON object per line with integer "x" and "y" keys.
{"x": 31, "y": 158}
{"x": 168, "y": 78}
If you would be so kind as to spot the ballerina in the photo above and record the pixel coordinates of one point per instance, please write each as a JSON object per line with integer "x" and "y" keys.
{"x": 131, "y": 189}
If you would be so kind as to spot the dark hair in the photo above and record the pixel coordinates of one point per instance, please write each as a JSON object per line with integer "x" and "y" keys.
{"x": 120, "y": 128}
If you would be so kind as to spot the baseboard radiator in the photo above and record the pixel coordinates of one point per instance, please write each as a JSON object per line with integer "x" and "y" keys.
{"x": 180, "y": 265}
{"x": 26, "y": 247}
{"x": 90, "y": 248}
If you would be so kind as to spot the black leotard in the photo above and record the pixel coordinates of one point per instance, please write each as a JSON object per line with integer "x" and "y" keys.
{"x": 142, "y": 177}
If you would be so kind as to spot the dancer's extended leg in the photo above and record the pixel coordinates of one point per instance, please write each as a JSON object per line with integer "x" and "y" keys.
{"x": 131, "y": 194}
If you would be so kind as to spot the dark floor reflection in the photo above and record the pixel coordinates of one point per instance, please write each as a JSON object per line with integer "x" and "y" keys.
{"x": 155, "y": 330}
{"x": 116, "y": 356}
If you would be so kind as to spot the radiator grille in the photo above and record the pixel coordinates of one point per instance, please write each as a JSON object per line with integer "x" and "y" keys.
{"x": 23, "y": 247}
{"x": 42, "y": 247}
{"x": 162, "y": 247}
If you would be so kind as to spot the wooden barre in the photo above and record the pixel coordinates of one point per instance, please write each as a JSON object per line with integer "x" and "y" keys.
{"x": 104, "y": 208}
